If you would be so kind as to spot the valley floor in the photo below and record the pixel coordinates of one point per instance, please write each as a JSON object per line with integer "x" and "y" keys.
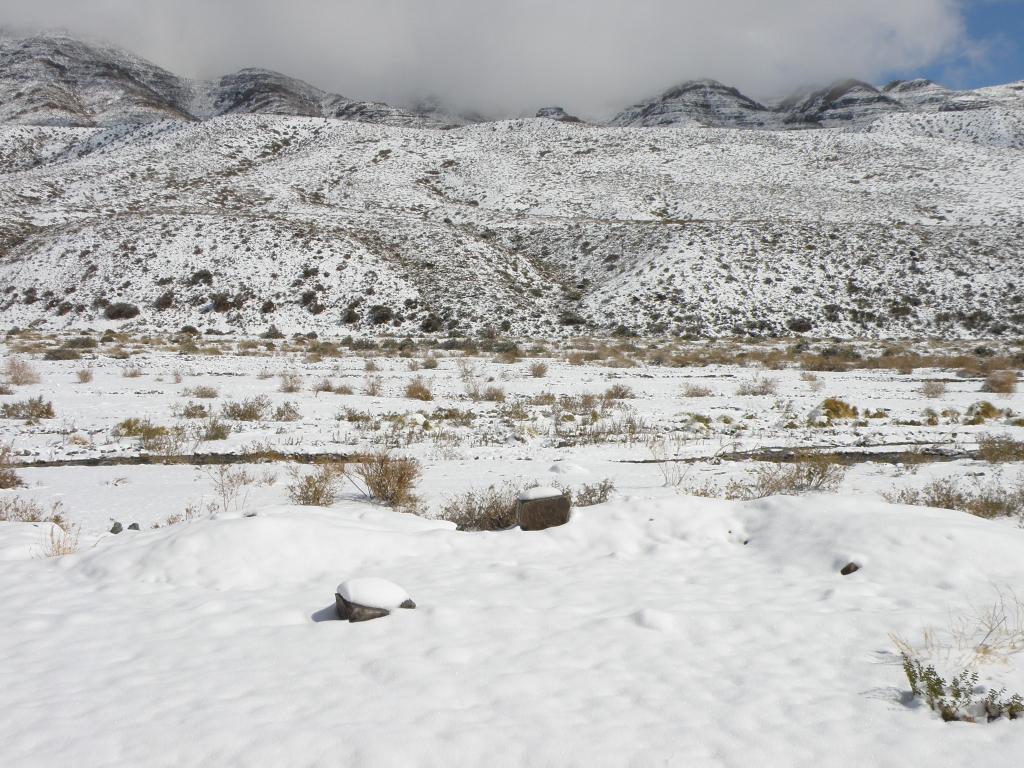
{"x": 691, "y": 618}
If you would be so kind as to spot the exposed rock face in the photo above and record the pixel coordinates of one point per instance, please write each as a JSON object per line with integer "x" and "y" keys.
{"x": 65, "y": 82}
{"x": 61, "y": 81}
{"x": 557, "y": 113}
{"x": 706, "y": 102}
{"x": 845, "y": 102}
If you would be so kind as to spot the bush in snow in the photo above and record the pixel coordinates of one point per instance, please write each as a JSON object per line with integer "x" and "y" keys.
{"x": 1000, "y": 382}
{"x": 120, "y": 310}
{"x": 388, "y": 479}
{"x": 318, "y": 488}
{"x": 31, "y": 410}
{"x": 485, "y": 509}
{"x": 252, "y": 409}
{"x": 8, "y": 477}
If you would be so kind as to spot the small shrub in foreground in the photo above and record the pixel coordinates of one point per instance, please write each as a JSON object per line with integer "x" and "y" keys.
{"x": 598, "y": 493}
{"x": 538, "y": 370}
{"x": 483, "y": 509}
{"x": 388, "y": 479}
{"x": 84, "y": 375}
{"x": 316, "y": 489}
{"x": 988, "y": 500}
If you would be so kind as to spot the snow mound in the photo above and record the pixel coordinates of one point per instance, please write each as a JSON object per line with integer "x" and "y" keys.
{"x": 540, "y": 492}
{"x": 372, "y": 592}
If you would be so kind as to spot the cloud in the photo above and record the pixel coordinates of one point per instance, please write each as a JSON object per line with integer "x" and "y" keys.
{"x": 511, "y": 56}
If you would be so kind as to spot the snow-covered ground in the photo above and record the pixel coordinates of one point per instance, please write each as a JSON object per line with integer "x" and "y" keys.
{"x": 658, "y": 628}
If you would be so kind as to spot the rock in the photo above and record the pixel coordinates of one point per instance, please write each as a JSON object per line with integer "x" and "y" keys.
{"x": 557, "y": 113}
{"x": 133, "y": 527}
{"x": 849, "y": 568}
{"x": 116, "y": 528}
{"x": 540, "y": 508}
{"x": 369, "y": 598}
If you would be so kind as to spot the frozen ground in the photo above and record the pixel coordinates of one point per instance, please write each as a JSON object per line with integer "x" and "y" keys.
{"x": 658, "y": 628}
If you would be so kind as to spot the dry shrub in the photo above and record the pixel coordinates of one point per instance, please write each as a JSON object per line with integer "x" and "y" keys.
{"x": 287, "y": 411}
{"x": 989, "y": 499}
{"x": 192, "y": 410}
{"x": 253, "y": 409}
{"x": 373, "y": 386}
{"x": 324, "y": 385}
{"x": 131, "y": 371}
{"x": 598, "y": 493}
{"x": 20, "y": 373}
{"x": 758, "y": 386}
{"x": 618, "y": 392}
{"x": 429, "y": 363}
{"x": 810, "y": 473}
{"x": 484, "y": 509}
{"x": 14, "y": 509}
{"x": 388, "y": 479}
{"x": 201, "y": 392}
{"x": 290, "y": 382}
{"x": 493, "y": 394}
{"x": 998, "y": 449}
{"x": 933, "y": 388}
{"x": 696, "y": 390}
{"x": 1000, "y": 382}
{"x": 61, "y": 541}
{"x": 834, "y": 408}
{"x": 84, "y": 375}
{"x": 8, "y": 477}
{"x": 418, "y": 389}
{"x": 370, "y": 366}
{"x": 538, "y": 370}
{"x": 32, "y": 410}
{"x": 317, "y": 489}
{"x": 981, "y": 412}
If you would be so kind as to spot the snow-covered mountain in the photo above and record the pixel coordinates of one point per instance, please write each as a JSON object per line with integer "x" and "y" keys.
{"x": 50, "y": 80}
{"x": 706, "y": 102}
{"x": 241, "y": 203}
{"x": 911, "y": 226}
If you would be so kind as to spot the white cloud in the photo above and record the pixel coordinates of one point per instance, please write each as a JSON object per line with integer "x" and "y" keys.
{"x": 508, "y": 56}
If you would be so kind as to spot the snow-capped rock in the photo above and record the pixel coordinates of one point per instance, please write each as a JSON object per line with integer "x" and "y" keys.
{"x": 705, "y": 102}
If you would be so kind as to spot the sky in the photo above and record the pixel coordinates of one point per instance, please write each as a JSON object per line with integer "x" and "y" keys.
{"x": 593, "y": 57}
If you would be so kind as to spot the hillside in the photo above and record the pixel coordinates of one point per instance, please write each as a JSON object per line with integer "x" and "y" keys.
{"x": 913, "y": 227}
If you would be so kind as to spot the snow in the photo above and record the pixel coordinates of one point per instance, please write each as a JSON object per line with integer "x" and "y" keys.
{"x": 540, "y": 492}
{"x": 643, "y": 632}
{"x": 373, "y": 592}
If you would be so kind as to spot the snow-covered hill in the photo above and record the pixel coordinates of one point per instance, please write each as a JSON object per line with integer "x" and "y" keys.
{"x": 913, "y": 227}
{"x": 49, "y": 80}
